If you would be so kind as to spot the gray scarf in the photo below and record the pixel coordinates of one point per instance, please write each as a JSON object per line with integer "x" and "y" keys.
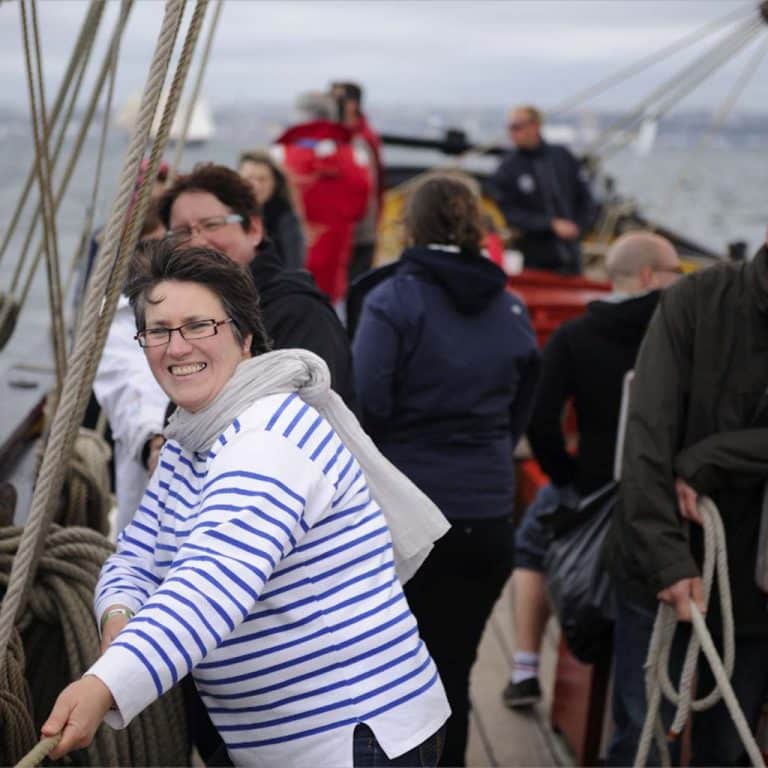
{"x": 414, "y": 521}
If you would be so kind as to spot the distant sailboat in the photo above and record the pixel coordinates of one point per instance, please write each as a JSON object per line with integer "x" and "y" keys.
{"x": 201, "y": 126}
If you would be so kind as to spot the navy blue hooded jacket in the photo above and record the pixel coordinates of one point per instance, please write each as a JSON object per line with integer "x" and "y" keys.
{"x": 445, "y": 365}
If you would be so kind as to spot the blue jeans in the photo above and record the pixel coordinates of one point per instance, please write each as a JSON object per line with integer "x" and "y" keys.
{"x": 532, "y": 537}
{"x": 369, "y": 754}
{"x": 715, "y": 740}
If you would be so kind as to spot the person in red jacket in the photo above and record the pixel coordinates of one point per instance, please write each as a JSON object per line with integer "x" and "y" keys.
{"x": 350, "y": 99}
{"x": 330, "y": 170}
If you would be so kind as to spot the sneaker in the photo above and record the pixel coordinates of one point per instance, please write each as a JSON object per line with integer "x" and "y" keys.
{"x": 523, "y": 694}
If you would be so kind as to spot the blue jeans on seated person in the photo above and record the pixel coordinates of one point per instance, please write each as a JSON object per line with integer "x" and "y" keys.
{"x": 532, "y": 536}
{"x": 369, "y": 754}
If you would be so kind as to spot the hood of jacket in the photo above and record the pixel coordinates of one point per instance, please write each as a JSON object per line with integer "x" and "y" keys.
{"x": 624, "y": 319}
{"x": 471, "y": 280}
{"x": 314, "y": 131}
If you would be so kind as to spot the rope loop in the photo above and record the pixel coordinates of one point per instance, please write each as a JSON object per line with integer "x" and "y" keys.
{"x": 657, "y": 678}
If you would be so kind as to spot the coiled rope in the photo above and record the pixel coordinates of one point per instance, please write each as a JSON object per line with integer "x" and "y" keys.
{"x": 657, "y": 681}
{"x": 59, "y": 615}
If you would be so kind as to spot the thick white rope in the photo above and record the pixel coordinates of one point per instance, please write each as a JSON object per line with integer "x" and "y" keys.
{"x": 182, "y": 140}
{"x": 659, "y": 649}
{"x": 96, "y": 311}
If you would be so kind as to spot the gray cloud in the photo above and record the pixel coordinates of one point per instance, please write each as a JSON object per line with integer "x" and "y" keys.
{"x": 409, "y": 52}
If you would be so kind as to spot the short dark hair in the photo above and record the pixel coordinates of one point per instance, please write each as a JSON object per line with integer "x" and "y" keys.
{"x": 223, "y": 183}
{"x": 229, "y": 281}
{"x": 444, "y": 209}
{"x": 349, "y": 90}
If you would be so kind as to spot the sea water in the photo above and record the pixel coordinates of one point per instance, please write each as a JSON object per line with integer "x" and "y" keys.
{"x": 713, "y": 195}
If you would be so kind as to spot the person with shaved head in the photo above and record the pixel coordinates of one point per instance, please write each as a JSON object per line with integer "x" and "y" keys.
{"x": 585, "y": 361}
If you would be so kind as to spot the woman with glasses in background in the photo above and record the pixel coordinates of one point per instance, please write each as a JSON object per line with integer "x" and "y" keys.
{"x": 259, "y": 560}
{"x": 214, "y": 207}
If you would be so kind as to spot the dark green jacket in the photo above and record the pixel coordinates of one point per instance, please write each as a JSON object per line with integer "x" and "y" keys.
{"x": 702, "y": 370}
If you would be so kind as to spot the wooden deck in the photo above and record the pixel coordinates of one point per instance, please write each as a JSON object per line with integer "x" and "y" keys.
{"x": 498, "y": 736}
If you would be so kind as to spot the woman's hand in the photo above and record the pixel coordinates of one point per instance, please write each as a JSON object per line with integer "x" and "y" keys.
{"x": 77, "y": 714}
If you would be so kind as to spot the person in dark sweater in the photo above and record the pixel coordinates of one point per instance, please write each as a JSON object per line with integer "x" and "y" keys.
{"x": 544, "y": 194}
{"x": 278, "y": 209}
{"x": 445, "y": 370}
{"x": 213, "y": 206}
{"x": 585, "y": 361}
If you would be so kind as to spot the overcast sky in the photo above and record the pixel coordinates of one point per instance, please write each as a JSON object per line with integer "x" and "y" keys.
{"x": 416, "y": 52}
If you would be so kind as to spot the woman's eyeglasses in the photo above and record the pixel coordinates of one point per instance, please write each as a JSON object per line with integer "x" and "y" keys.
{"x": 181, "y": 235}
{"x": 196, "y": 329}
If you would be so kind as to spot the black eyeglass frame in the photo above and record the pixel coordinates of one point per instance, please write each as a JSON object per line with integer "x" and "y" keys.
{"x": 213, "y": 325}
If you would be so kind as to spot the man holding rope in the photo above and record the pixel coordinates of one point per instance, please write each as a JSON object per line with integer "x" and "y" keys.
{"x": 699, "y": 401}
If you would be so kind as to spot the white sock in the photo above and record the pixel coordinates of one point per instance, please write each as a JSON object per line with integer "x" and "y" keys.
{"x": 525, "y": 665}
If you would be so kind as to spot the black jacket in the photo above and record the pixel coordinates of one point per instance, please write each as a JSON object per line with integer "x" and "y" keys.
{"x": 284, "y": 229}
{"x": 586, "y": 359}
{"x": 445, "y": 372}
{"x": 534, "y": 186}
{"x": 702, "y": 370}
{"x": 297, "y": 314}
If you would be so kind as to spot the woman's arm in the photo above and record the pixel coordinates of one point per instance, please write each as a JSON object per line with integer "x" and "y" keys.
{"x": 375, "y": 355}
{"x": 251, "y": 515}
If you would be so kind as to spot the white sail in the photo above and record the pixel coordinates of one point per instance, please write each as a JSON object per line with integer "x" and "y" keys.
{"x": 201, "y": 125}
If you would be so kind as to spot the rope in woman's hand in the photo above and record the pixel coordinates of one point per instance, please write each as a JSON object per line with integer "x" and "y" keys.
{"x": 39, "y": 752}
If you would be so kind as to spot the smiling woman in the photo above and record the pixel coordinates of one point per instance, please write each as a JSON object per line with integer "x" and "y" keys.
{"x": 260, "y": 560}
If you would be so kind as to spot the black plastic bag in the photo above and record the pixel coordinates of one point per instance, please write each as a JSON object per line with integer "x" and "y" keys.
{"x": 579, "y": 587}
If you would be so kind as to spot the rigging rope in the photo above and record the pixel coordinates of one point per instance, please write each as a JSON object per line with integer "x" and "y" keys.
{"x": 621, "y": 131}
{"x": 81, "y": 250}
{"x": 34, "y": 71}
{"x": 646, "y": 62}
{"x": 10, "y": 308}
{"x": 96, "y": 311}
{"x": 657, "y": 681}
{"x": 78, "y": 58}
{"x": 182, "y": 139}
{"x": 718, "y": 121}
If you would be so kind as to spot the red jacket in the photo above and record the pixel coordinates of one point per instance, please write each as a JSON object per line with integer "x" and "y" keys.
{"x": 333, "y": 180}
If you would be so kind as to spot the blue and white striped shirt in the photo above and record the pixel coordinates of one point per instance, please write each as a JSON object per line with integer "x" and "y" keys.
{"x": 266, "y": 569}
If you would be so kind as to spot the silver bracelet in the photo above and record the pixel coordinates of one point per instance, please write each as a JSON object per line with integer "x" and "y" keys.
{"x": 127, "y": 612}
